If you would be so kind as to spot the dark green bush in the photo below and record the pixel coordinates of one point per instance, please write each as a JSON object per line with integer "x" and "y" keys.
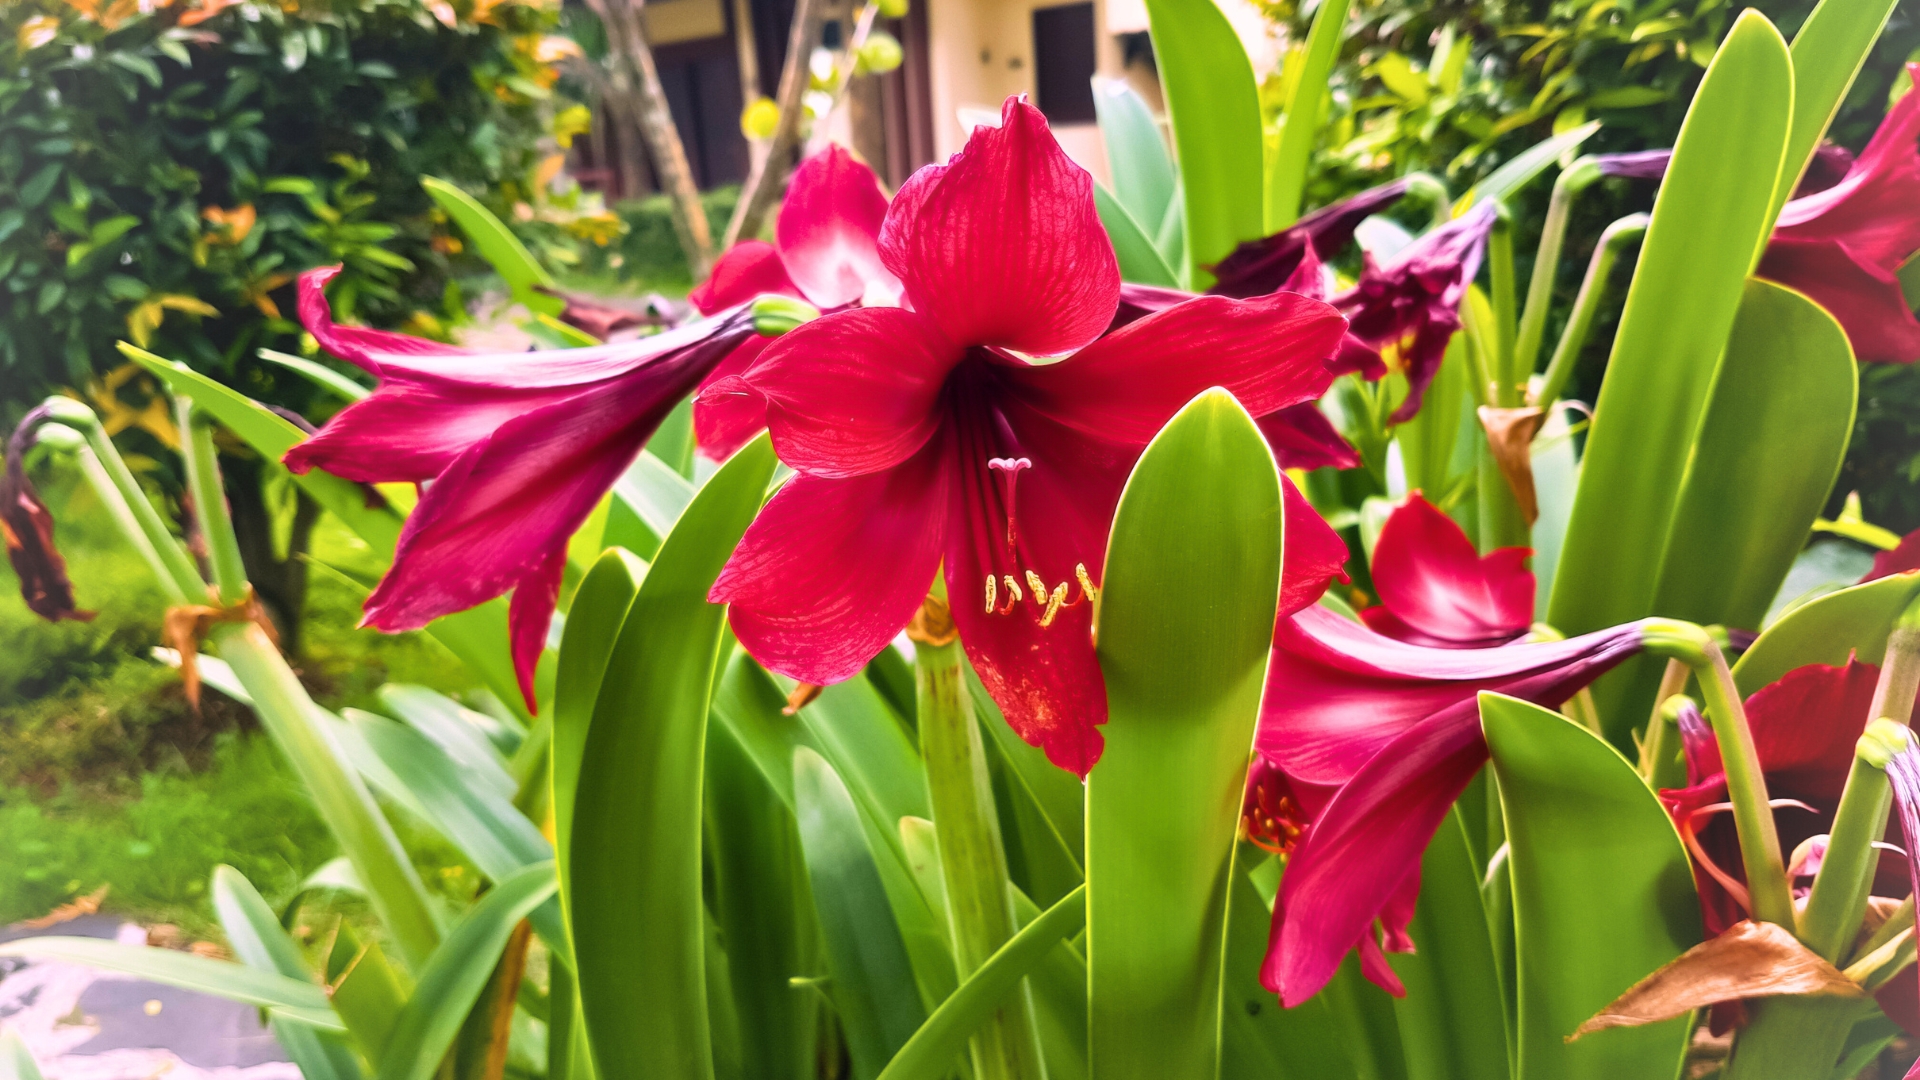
{"x": 163, "y": 175}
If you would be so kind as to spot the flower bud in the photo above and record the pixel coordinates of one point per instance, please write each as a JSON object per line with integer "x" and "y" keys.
{"x": 59, "y": 437}
{"x": 67, "y": 411}
{"x": 880, "y": 53}
{"x": 774, "y": 315}
{"x": 1882, "y": 739}
{"x": 759, "y": 119}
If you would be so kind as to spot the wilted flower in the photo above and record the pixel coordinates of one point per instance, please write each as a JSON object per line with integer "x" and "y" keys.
{"x": 926, "y": 436}
{"x": 28, "y": 531}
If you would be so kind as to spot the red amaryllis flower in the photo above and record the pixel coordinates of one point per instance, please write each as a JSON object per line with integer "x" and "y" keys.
{"x": 1375, "y": 739}
{"x": 520, "y": 448}
{"x": 28, "y": 530}
{"x": 1841, "y": 240}
{"x": 1842, "y": 245}
{"x": 1437, "y": 590}
{"x": 925, "y": 436}
{"x": 825, "y": 251}
{"x": 1258, "y": 267}
{"x": 1805, "y": 727}
{"x": 1897, "y": 560}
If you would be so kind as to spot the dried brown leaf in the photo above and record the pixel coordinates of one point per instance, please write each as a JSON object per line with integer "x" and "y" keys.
{"x": 67, "y": 912}
{"x": 1750, "y": 959}
{"x": 1510, "y": 435}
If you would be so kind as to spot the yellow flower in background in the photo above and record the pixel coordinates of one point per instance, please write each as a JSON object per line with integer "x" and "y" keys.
{"x": 758, "y": 120}
{"x": 116, "y": 416}
{"x": 570, "y": 122}
{"x": 229, "y": 226}
{"x": 37, "y": 31}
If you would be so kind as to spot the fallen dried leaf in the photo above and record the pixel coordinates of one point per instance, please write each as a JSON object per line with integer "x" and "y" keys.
{"x": 73, "y": 909}
{"x": 1750, "y": 959}
{"x": 1510, "y": 435}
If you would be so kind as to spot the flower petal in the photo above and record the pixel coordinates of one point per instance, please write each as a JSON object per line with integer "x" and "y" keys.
{"x": 1864, "y": 298}
{"x": 1269, "y": 352}
{"x": 832, "y": 569}
{"x": 829, "y": 230}
{"x": 27, "y": 529}
{"x": 529, "y": 616}
{"x": 854, "y": 392}
{"x": 1001, "y": 245}
{"x": 1315, "y": 556}
{"x": 1873, "y": 208}
{"x": 1044, "y": 677}
{"x": 1258, "y": 267}
{"x": 729, "y": 418}
{"x": 1337, "y": 692}
{"x": 1363, "y": 845}
{"x": 1898, "y": 560}
{"x": 1436, "y": 590}
{"x": 1303, "y": 438}
{"x": 747, "y": 269}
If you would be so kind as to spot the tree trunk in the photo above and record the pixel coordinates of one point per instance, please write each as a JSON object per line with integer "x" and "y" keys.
{"x": 769, "y": 173}
{"x": 633, "y": 79}
{"x": 281, "y": 584}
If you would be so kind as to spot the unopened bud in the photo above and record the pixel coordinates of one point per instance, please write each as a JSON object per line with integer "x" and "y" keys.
{"x": 59, "y": 437}
{"x": 1677, "y": 640}
{"x": 774, "y": 315}
{"x": 880, "y": 53}
{"x": 67, "y": 411}
{"x": 1882, "y": 739}
{"x": 759, "y": 119}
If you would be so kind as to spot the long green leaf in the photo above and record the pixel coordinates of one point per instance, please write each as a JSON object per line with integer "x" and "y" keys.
{"x": 1140, "y": 260}
{"x": 1603, "y": 894}
{"x": 1525, "y": 166}
{"x": 1300, "y": 128}
{"x": 510, "y": 258}
{"x": 600, "y": 605}
{"x": 317, "y": 373}
{"x": 635, "y": 844}
{"x": 455, "y": 730}
{"x": 1259, "y": 1039}
{"x": 1214, "y": 107}
{"x": 1853, "y": 621}
{"x": 1828, "y": 53}
{"x": 16, "y": 1061}
{"x": 764, "y": 911}
{"x": 1453, "y": 1019}
{"x": 1137, "y": 157}
{"x": 872, "y": 981}
{"x": 930, "y": 1053}
{"x": 1769, "y": 448}
{"x": 1710, "y": 215}
{"x": 259, "y": 941}
{"x": 477, "y": 636}
{"x": 290, "y": 999}
{"x": 452, "y": 981}
{"x": 1184, "y": 626}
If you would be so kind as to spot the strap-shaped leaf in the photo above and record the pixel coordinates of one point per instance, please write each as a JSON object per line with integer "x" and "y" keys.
{"x": 451, "y": 982}
{"x": 1708, "y": 221}
{"x": 510, "y": 258}
{"x": 1602, "y": 893}
{"x": 259, "y": 941}
{"x": 1184, "y": 628}
{"x": 287, "y": 998}
{"x": 635, "y": 843}
{"x": 1853, "y": 621}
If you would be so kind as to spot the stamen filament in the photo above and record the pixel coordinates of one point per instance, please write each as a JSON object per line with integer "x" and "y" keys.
{"x": 1010, "y": 469}
{"x": 1013, "y": 593}
{"x": 1054, "y": 602}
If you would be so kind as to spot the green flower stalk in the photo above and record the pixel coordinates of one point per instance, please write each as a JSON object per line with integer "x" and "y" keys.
{"x": 1771, "y": 899}
{"x": 972, "y": 859}
{"x": 1586, "y": 305}
{"x": 1831, "y": 920}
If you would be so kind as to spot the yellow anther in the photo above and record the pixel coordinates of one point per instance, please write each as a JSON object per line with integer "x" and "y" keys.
{"x": 1038, "y": 586}
{"x": 991, "y": 599}
{"x": 1013, "y": 588}
{"x": 1054, "y": 603}
{"x": 1087, "y": 588}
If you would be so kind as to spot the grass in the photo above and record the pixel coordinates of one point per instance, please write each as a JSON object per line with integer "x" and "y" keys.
{"x": 110, "y": 778}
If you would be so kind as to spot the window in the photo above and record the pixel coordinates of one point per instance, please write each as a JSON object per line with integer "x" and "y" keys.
{"x": 1063, "y": 63}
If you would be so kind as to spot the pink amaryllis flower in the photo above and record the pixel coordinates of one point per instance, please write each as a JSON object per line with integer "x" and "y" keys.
{"x": 519, "y": 448}
{"x": 933, "y": 436}
{"x": 1436, "y": 589}
{"x": 1373, "y": 740}
{"x": 825, "y": 251}
{"x": 27, "y": 529}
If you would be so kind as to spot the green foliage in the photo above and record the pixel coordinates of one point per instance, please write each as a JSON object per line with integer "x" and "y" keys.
{"x": 164, "y": 181}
